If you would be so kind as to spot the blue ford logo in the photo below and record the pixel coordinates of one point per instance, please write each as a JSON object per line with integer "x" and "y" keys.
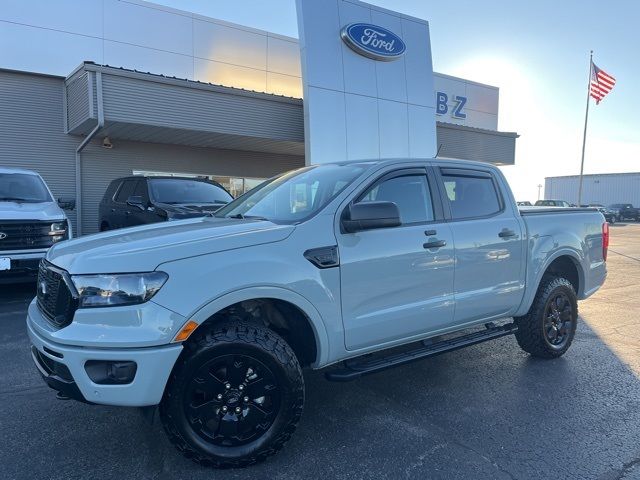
{"x": 372, "y": 41}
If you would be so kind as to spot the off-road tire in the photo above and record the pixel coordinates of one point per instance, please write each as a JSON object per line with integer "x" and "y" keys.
{"x": 226, "y": 339}
{"x": 531, "y": 327}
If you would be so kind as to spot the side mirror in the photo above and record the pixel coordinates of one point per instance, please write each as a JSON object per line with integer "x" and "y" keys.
{"x": 67, "y": 203}
{"x": 371, "y": 215}
{"x": 136, "y": 201}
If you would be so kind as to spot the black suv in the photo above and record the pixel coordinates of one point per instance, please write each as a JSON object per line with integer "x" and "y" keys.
{"x": 132, "y": 201}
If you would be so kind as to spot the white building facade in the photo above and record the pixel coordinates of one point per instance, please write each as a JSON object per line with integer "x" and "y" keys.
{"x": 604, "y": 189}
{"x": 219, "y": 99}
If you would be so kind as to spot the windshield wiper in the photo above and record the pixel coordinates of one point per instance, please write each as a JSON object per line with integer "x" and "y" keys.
{"x": 240, "y": 216}
{"x": 14, "y": 199}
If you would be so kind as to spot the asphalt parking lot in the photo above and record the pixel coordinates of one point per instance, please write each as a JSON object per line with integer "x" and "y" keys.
{"x": 488, "y": 411}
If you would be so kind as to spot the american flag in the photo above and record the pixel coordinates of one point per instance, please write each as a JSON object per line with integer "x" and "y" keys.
{"x": 601, "y": 83}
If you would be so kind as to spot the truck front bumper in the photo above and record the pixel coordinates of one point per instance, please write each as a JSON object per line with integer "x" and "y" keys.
{"x": 24, "y": 266}
{"x": 67, "y": 369}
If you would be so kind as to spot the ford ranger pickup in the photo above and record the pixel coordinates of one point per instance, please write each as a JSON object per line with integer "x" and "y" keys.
{"x": 350, "y": 267}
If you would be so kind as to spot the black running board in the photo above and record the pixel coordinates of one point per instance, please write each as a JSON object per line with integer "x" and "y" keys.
{"x": 356, "y": 368}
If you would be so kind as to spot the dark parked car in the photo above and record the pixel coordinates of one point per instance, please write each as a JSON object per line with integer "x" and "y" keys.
{"x": 625, "y": 211}
{"x": 524, "y": 204}
{"x": 609, "y": 215}
{"x": 552, "y": 203}
{"x": 132, "y": 201}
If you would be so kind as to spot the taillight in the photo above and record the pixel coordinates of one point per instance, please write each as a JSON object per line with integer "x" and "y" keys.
{"x": 605, "y": 240}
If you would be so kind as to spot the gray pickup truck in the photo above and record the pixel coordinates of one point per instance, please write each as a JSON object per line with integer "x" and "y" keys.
{"x": 352, "y": 267}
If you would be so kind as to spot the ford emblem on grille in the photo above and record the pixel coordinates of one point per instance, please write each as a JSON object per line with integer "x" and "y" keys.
{"x": 3, "y": 235}
{"x": 373, "y": 42}
{"x": 42, "y": 289}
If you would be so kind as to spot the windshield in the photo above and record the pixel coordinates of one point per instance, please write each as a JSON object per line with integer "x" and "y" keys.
{"x": 185, "y": 191}
{"x": 23, "y": 187}
{"x": 293, "y": 196}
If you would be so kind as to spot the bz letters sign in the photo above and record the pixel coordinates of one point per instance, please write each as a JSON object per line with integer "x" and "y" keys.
{"x": 442, "y": 105}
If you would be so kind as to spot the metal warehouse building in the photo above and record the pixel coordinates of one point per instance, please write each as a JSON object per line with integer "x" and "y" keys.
{"x": 604, "y": 189}
{"x": 223, "y": 100}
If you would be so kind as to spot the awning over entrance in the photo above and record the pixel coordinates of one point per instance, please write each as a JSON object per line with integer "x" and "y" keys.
{"x": 153, "y": 108}
{"x": 469, "y": 143}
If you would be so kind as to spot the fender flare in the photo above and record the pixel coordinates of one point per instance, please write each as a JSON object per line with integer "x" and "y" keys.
{"x": 278, "y": 293}
{"x": 531, "y": 292}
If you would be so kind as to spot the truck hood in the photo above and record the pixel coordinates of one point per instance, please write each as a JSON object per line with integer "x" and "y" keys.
{"x": 142, "y": 249}
{"x": 31, "y": 211}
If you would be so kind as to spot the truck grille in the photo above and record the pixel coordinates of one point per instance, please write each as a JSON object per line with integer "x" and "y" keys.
{"x": 55, "y": 299}
{"x": 20, "y": 235}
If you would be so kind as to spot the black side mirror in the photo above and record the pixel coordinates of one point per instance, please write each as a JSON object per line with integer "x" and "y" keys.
{"x": 371, "y": 215}
{"x": 67, "y": 203}
{"x": 136, "y": 201}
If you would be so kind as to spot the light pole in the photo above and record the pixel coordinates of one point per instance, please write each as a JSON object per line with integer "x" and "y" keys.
{"x": 539, "y": 188}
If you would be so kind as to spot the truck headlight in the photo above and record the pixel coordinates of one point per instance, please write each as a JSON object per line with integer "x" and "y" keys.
{"x": 58, "y": 231}
{"x": 119, "y": 289}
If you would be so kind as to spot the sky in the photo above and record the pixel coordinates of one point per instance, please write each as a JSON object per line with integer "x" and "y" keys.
{"x": 537, "y": 53}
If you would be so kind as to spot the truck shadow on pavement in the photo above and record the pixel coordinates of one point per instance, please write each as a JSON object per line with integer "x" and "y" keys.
{"x": 489, "y": 411}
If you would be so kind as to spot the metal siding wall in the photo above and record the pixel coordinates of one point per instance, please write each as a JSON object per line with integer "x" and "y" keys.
{"x": 152, "y": 103}
{"x": 604, "y": 189}
{"x": 77, "y": 100}
{"x": 100, "y": 166}
{"x": 32, "y": 130}
{"x": 471, "y": 145}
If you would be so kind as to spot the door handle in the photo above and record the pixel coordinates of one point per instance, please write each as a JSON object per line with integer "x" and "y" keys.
{"x": 507, "y": 233}
{"x": 430, "y": 233}
{"x": 435, "y": 244}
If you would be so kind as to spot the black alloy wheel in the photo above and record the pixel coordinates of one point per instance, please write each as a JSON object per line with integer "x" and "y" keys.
{"x": 232, "y": 400}
{"x": 558, "y": 320}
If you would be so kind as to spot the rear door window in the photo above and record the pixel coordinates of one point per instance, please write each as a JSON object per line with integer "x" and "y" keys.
{"x": 471, "y": 194}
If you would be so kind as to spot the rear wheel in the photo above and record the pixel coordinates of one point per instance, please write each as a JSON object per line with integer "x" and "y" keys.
{"x": 547, "y": 330}
{"x": 235, "y": 397}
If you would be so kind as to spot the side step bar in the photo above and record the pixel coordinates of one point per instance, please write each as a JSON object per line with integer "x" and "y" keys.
{"x": 353, "y": 369}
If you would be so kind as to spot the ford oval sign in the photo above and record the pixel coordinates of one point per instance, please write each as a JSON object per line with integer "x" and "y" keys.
{"x": 373, "y": 42}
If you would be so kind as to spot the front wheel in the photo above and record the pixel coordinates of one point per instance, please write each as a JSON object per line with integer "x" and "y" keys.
{"x": 547, "y": 330}
{"x": 235, "y": 396}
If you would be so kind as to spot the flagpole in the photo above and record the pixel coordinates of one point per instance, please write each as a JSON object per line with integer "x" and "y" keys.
{"x": 584, "y": 135}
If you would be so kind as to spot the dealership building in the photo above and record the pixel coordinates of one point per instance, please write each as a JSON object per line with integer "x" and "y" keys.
{"x": 99, "y": 89}
{"x": 602, "y": 189}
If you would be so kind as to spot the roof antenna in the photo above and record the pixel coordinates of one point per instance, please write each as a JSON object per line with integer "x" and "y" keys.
{"x": 439, "y": 148}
